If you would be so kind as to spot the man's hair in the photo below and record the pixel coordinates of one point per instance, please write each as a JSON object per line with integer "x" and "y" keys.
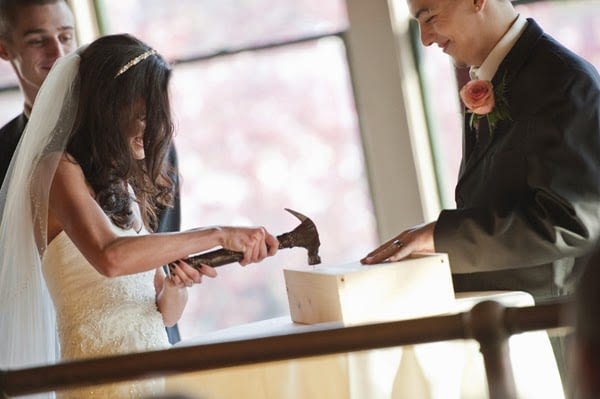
{"x": 9, "y": 10}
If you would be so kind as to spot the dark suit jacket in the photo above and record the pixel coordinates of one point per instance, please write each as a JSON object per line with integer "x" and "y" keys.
{"x": 169, "y": 219}
{"x": 528, "y": 194}
{"x": 10, "y": 134}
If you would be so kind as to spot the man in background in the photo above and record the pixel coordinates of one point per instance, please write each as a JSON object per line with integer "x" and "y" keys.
{"x": 33, "y": 35}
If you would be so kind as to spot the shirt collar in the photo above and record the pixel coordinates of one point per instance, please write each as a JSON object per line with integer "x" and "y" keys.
{"x": 490, "y": 65}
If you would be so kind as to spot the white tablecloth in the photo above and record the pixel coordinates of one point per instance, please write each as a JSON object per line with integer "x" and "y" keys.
{"x": 444, "y": 370}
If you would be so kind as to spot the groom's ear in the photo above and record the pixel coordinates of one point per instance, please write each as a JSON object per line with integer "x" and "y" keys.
{"x": 4, "y": 49}
{"x": 479, "y": 4}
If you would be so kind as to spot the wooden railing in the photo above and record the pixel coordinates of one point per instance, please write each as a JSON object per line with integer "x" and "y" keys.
{"x": 488, "y": 322}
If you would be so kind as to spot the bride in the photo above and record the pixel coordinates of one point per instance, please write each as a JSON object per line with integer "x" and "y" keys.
{"x": 77, "y": 211}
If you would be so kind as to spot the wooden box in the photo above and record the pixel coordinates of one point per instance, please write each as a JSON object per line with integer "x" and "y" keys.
{"x": 354, "y": 293}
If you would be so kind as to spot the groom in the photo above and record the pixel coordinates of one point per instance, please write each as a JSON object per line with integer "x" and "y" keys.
{"x": 33, "y": 35}
{"x": 528, "y": 193}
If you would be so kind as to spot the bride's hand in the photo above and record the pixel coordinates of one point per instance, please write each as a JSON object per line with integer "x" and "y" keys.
{"x": 183, "y": 275}
{"x": 255, "y": 242}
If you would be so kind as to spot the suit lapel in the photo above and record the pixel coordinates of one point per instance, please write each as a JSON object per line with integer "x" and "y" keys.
{"x": 477, "y": 142}
{"x": 516, "y": 57}
{"x": 469, "y": 142}
{"x": 474, "y": 149}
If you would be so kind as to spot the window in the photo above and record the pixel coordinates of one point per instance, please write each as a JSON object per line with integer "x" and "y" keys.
{"x": 11, "y": 100}
{"x": 7, "y": 78}
{"x": 265, "y": 120}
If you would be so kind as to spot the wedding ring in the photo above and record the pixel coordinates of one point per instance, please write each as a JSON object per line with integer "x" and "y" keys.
{"x": 398, "y": 243}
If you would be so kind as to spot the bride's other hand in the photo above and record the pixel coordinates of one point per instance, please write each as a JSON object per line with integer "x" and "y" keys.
{"x": 184, "y": 275}
{"x": 171, "y": 292}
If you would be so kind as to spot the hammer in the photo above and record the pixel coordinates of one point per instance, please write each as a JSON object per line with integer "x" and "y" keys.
{"x": 305, "y": 235}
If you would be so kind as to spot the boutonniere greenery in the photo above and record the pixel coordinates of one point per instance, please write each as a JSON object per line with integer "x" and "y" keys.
{"x": 483, "y": 100}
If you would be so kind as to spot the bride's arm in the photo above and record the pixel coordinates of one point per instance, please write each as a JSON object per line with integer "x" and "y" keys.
{"x": 73, "y": 209}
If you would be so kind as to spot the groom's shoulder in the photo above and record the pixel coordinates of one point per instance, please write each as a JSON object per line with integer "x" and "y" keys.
{"x": 13, "y": 128}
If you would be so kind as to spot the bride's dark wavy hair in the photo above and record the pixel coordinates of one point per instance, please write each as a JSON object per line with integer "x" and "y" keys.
{"x": 100, "y": 139}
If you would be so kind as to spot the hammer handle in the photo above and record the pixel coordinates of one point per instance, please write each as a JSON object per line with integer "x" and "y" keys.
{"x": 215, "y": 258}
{"x": 220, "y": 257}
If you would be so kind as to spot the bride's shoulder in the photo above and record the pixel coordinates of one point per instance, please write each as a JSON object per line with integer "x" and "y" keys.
{"x": 66, "y": 157}
{"x": 57, "y": 158}
{"x": 67, "y": 166}
{"x": 67, "y": 160}
{"x": 69, "y": 176}
{"x": 57, "y": 166}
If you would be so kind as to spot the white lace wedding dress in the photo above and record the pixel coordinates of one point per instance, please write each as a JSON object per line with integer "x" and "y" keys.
{"x": 100, "y": 316}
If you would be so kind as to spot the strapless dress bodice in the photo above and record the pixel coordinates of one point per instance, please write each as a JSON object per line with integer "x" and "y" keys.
{"x": 101, "y": 316}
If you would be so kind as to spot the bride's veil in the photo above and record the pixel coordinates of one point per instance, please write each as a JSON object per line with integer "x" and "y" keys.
{"x": 27, "y": 319}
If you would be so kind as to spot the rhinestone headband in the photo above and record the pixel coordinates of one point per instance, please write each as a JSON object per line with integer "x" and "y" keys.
{"x": 135, "y": 61}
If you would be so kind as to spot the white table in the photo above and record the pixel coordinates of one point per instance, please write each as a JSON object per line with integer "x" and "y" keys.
{"x": 452, "y": 369}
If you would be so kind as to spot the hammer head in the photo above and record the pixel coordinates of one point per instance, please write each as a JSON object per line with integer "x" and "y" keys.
{"x": 305, "y": 235}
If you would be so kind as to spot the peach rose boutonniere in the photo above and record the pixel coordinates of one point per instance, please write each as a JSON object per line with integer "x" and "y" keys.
{"x": 484, "y": 101}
